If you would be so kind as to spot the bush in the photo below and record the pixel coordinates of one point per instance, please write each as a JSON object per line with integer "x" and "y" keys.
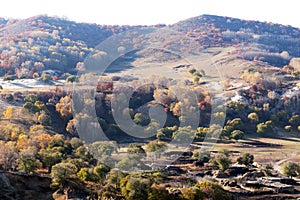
{"x": 71, "y": 79}
{"x": 237, "y": 134}
{"x": 134, "y": 188}
{"x": 222, "y": 161}
{"x": 44, "y": 118}
{"x": 288, "y": 128}
{"x": 46, "y": 77}
{"x": 247, "y": 159}
{"x": 266, "y": 127}
{"x": 295, "y": 120}
{"x": 290, "y": 169}
{"x": 213, "y": 191}
{"x": 141, "y": 119}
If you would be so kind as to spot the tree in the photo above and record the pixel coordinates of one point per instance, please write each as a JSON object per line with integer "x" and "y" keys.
{"x": 246, "y": 159}
{"x": 31, "y": 98}
{"x": 213, "y": 191}
{"x": 184, "y": 135}
{"x": 192, "y": 193}
{"x": 50, "y": 157}
{"x": 141, "y": 119}
{"x": 85, "y": 174}
{"x": 76, "y": 142}
{"x": 64, "y": 175}
{"x": 290, "y": 169}
{"x": 288, "y": 128}
{"x": 71, "y": 79}
{"x": 131, "y": 162}
{"x": 9, "y": 112}
{"x": 64, "y": 107}
{"x": 135, "y": 188}
{"x": 237, "y": 134}
{"x": 201, "y": 132}
{"x": 134, "y": 148}
{"x": 222, "y": 161}
{"x": 8, "y": 157}
{"x": 192, "y": 71}
{"x": 28, "y": 164}
{"x": 166, "y": 133}
{"x": 101, "y": 171}
{"x": 115, "y": 176}
{"x": 156, "y": 147}
{"x": 265, "y": 127}
{"x": 295, "y": 120}
{"x": 103, "y": 150}
{"x": 96, "y": 174}
{"x": 44, "y": 118}
{"x": 82, "y": 152}
{"x": 253, "y": 117}
{"x": 46, "y": 77}
{"x": 236, "y": 124}
{"x": 71, "y": 126}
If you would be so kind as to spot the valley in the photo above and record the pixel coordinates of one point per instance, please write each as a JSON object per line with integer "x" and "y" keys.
{"x": 207, "y": 108}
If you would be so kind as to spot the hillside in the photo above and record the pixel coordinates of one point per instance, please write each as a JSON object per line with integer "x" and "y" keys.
{"x": 42, "y": 43}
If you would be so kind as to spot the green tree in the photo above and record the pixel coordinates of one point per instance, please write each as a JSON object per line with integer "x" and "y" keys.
{"x": 85, "y": 174}
{"x": 31, "y": 98}
{"x": 134, "y": 148}
{"x": 50, "y": 157}
{"x": 290, "y": 169}
{"x": 192, "y": 193}
{"x": 213, "y": 191}
{"x": 82, "y": 152}
{"x": 44, "y": 118}
{"x": 265, "y": 127}
{"x": 222, "y": 161}
{"x": 237, "y": 135}
{"x": 115, "y": 176}
{"x": 141, "y": 119}
{"x": 156, "y": 147}
{"x": 71, "y": 79}
{"x": 64, "y": 175}
{"x": 46, "y": 77}
{"x": 166, "y": 133}
{"x": 184, "y": 135}
{"x": 101, "y": 171}
{"x": 135, "y": 188}
{"x": 246, "y": 159}
{"x": 295, "y": 120}
{"x": 28, "y": 164}
{"x": 192, "y": 71}
{"x": 103, "y": 150}
{"x": 131, "y": 162}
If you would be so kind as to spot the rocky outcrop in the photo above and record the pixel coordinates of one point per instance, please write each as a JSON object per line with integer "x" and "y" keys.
{"x": 18, "y": 186}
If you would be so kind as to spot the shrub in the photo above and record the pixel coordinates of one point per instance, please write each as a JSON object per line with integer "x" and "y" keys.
{"x": 290, "y": 169}
{"x": 237, "y": 134}
{"x": 71, "y": 79}
{"x": 266, "y": 127}
{"x": 46, "y": 77}
{"x": 246, "y": 159}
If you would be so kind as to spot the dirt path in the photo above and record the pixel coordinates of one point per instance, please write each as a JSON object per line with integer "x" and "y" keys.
{"x": 276, "y": 165}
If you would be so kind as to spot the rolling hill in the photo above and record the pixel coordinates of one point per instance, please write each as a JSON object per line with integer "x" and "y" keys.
{"x": 41, "y": 43}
